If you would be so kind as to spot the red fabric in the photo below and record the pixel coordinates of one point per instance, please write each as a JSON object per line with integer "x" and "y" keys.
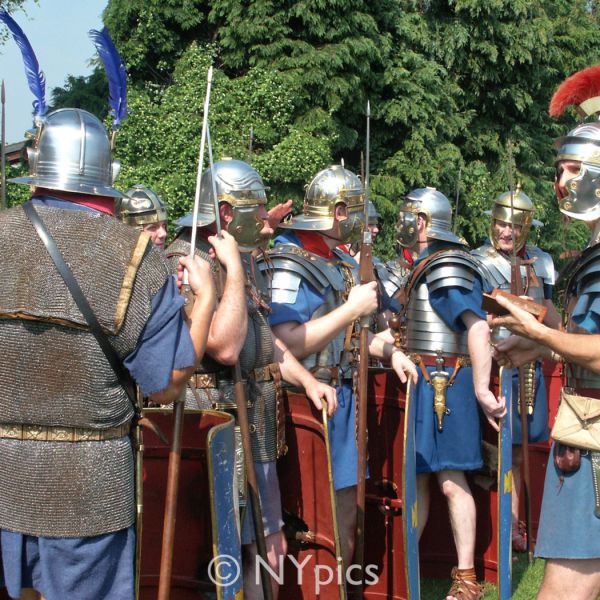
{"x": 407, "y": 256}
{"x": 314, "y": 242}
{"x": 103, "y": 204}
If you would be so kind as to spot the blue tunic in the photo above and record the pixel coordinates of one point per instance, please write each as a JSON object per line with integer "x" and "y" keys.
{"x": 101, "y": 567}
{"x": 568, "y": 527}
{"x": 342, "y": 429}
{"x": 458, "y": 445}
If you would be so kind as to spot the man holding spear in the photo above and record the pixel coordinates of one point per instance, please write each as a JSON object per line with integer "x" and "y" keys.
{"x": 316, "y": 301}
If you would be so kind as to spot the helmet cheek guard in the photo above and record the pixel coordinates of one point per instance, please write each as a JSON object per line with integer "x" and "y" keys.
{"x": 583, "y": 199}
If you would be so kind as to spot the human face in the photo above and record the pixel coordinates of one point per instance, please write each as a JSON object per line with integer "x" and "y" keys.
{"x": 565, "y": 171}
{"x": 502, "y": 232}
{"x": 158, "y": 233}
{"x": 374, "y": 229}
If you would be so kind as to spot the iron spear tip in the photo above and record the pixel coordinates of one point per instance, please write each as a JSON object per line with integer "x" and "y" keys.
{"x": 368, "y": 108}
{"x": 210, "y": 73}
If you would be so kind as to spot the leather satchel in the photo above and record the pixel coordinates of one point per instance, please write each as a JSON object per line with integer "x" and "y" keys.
{"x": 577, "y": 421}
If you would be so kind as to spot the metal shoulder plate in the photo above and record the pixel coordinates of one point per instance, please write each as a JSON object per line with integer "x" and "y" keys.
{"x": 289, "y": 265}
{"x": 585, "y": 276}
{"x": 543, "y": 266}
{"x": 453, "y": 268}
{"x": 495, "y": 266}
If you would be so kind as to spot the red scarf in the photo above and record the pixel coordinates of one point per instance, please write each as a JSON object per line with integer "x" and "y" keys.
{"x": 314, "y": 242}
{"x": 103, "y": 204}
{"x": 406, "y": 254}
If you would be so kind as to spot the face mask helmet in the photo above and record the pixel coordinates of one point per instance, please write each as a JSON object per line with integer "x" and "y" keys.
{"x": 240, "y": 185}
{"x": 437, "y": 212}
{"x": 580, "y": 144}
{"x": 328, "y": 188}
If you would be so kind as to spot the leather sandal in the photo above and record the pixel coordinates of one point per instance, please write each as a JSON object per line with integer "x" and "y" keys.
{"x": 464, "y": 589}
{"x": 519, "y": 537}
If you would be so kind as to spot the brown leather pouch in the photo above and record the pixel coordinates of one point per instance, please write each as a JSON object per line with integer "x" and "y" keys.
{"x": 566, "y": 458}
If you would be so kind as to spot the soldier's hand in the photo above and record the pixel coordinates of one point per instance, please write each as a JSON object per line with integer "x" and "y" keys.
{"x": 516, "y": 351}
{"x": 363, "y": 299}
{"x": 493, "y": 408}
{"x": 278, "y": 213}
{"x": 404, "y": 367}
{"x": 317, "y": 392}
{"x": 225, "y": 249}
{"x": 200, "y": 278}
{"x": 519, "y": 321}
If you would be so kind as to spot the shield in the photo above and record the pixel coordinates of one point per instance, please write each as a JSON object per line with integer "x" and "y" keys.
{"x": 226, "y": 565}
{"x": 504, "y": 492}
{"x": 205, "y": 483}
{"x": 410, "y": 519}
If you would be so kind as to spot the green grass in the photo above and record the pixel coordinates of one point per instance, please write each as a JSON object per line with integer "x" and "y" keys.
{"x": 526, "y": 582}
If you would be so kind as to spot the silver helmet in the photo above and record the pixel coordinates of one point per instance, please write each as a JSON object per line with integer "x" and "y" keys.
{"x": 581, "y": 144}
{"x": 141, "y": 206}
{"x": 373, "y": 216}
{"x": 438, "y": 215}
{"x": 240, "y": 185}
{"x": 71, "y": 152}
{"x": 329, "y": 187}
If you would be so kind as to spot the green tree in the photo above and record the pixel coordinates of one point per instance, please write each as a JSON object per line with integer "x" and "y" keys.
{"x": 158, "y": 143}
{"x": 88, "y": 92}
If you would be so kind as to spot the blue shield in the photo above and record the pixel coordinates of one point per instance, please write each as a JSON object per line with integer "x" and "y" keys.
{"x": 410, "y": 519}
{"x": 505, "y": 485}
{"x": 226, "y": 566}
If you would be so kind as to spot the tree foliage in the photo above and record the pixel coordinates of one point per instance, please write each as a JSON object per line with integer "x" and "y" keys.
{"x": 450, "y": 83}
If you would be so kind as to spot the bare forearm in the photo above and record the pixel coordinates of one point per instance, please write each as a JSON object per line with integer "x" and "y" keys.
{"x": 581, "y": 349}
{"x": 310, "y": 337}
{"x": 230, "y": 322}
{"x": 478, "y": 339}
{"x": 291, "y": 369}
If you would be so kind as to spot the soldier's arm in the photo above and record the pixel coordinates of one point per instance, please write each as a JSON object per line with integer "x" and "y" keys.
{"x": 230, "y": 321}
{"x": 304, "y": 339}
{"x": 381, "y": 345}
{"x": 198, "y": 320}
{"x": 578, "y": 348}
{"x": 478, "y": 339}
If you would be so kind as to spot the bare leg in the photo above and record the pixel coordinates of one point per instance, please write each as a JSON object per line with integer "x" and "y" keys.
{"x": 570, "y": 580}
{"x": 276, "y": 548}
{"x": 461, "y": 507}
{"x": 517, "y": 461}
{"x": 422, "y": 502}
{"x": 346, "y": 513}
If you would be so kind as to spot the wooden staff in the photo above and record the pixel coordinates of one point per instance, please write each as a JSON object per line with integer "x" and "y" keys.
{"x": 516, "y": 287}
{"x": 166, "y": 558}
{"x": 366, "y": 276}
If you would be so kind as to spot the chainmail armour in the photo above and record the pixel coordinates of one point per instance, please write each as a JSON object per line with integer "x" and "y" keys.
{"x": 264, "y": 412}
{"x": 55, "y": 374}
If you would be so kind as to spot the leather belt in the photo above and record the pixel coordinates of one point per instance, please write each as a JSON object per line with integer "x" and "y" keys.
{"x": 58, "y": 433}
{"x": 449, "y": 361}
{"x": 203, "y": 381}
{"x": 427, "y": 360}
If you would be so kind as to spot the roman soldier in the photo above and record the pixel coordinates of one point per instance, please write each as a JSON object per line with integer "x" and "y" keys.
{"x": 444, "y": 331}
{"x": 143, "y": 208}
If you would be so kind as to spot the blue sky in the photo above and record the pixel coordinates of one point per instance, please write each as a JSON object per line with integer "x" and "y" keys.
{"x": 57, "y": 31}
